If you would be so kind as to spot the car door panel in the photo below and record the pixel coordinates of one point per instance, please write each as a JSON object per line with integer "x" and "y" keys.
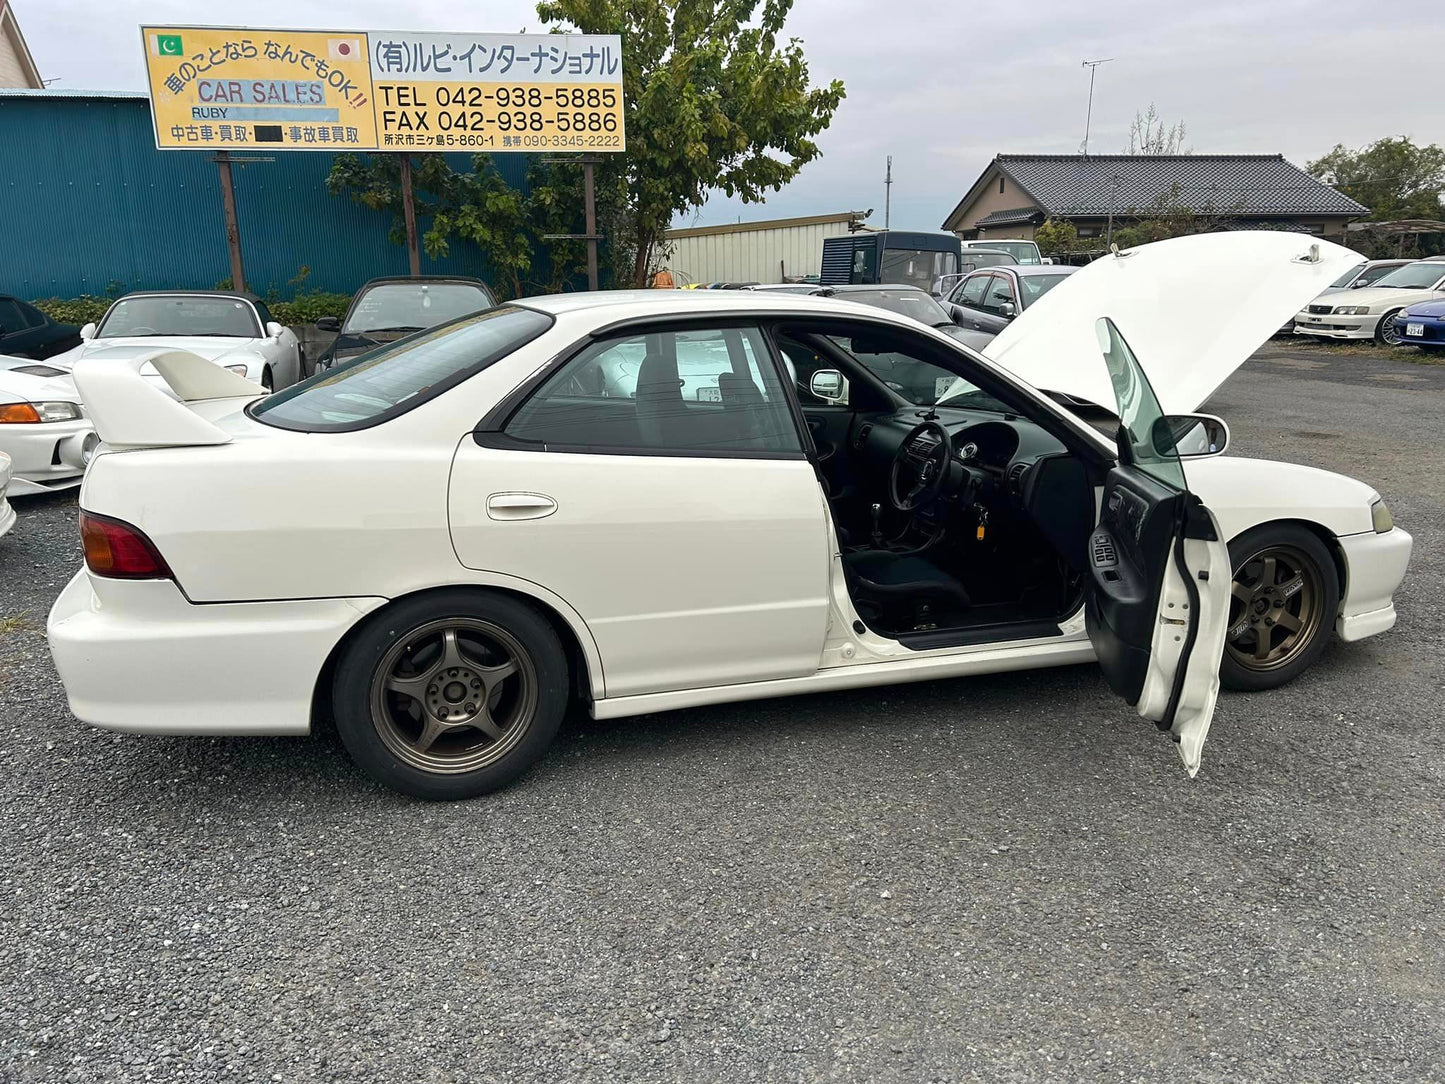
{"x": 689, "y": 571}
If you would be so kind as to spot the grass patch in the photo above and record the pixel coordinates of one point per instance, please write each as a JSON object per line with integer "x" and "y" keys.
{"x": 1301, "y": 346}
{"x": 16, "y": 623}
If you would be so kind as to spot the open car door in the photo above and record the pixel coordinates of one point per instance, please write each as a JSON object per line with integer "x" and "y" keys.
{"x": 1159, "y": 587}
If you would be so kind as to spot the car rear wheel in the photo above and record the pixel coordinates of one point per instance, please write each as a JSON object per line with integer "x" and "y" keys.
{"x": 1386, "y": 333}
{"x": 1285, "y": 595}
{"x": 452, "y": 694}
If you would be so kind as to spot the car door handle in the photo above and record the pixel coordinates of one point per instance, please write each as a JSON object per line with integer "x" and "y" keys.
{"x": 520, "y": 506}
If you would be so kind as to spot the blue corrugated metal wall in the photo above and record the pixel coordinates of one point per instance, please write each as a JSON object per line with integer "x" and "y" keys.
{"x": 86, "y": 201}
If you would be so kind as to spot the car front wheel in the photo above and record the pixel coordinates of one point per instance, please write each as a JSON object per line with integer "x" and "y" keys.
{"x": 1386, "y": 333}
{"x": 452, "y": 694}
{"x": 1284, "y": 598}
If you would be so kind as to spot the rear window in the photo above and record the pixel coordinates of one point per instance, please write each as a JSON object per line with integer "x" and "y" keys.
{"x": 384, "y": 383}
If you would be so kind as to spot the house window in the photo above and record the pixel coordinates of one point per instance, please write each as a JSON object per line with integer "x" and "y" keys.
{"x": 1000, "y": 184}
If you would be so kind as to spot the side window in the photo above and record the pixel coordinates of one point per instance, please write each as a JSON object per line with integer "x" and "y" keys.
{"x": 264, "y": 313}
{"x": 1000, "y": 293}
{"x": 685, "y": 392}
{"x": 32, "y": 316}
{"x": 802, "y": 362}
{"x": 970, "y": 291}
{"x": 10, "y": 316}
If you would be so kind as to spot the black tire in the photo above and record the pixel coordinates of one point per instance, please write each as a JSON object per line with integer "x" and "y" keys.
{"x": 368, "y": 716}
{"x": 1239, "y": 668}
{"x": 1388, "y": 321}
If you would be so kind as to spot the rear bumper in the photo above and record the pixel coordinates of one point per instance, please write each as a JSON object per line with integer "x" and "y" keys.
{"x": 139, "y": 657}
{"x": 1374, "y": 568}
{"x": 48, "y": 455}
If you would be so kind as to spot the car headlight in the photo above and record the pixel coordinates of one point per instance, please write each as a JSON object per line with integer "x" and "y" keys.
{"x": 1380, "y": 516}
{"x": 1353, "y": 310}
{"x": 39, "y": 412}
{"x": 239, "y": 370}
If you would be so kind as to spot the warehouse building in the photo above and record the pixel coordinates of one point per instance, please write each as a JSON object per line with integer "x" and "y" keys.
{"x": 778, "y": 250}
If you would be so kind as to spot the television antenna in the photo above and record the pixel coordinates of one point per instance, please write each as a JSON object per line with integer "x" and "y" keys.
{"x": 1093, "y": 66}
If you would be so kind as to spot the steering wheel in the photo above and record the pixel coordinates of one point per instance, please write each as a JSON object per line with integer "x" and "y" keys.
{"x": 930, "y": 471}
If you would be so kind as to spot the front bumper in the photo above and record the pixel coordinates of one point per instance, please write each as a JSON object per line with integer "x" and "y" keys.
{"x": 1374, "y": 568}
{"x": 1432, "y": 330}
{"x": 48, "y": 455}
{"x": 1332, "y": 326}
{"x": 137, "y": 656}
{"x": 7, "y": 514}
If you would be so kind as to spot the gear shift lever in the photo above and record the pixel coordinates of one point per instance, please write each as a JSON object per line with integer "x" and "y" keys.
{"x": 877, "y": 536}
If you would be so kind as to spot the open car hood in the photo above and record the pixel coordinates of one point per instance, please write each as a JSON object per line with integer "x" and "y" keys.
{"x": 1191, "y": 308}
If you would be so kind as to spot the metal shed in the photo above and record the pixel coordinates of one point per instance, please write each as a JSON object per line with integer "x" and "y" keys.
{"x": 770, "y": 251}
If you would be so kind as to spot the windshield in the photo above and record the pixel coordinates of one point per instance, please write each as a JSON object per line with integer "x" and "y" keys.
{"x": 1348, "y": 277}
{"x": 1022, "y": 251}
{"x": 413, "y": 306}
{"x": 915, "y": 303}
{"x": 1414, "y": 276}
{"x": 916, "y": 267}
{"x": 1035, "y": 286}
{"x": 179, "y": 314}
{"x": 390, "y": 380}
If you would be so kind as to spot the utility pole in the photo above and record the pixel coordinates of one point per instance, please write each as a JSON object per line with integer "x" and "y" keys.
{"x": 1093, "y": 66}
{"x": 888, "y": 192}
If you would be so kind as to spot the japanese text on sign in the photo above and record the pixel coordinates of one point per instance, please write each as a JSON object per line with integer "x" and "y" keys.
{"x": 317, "y": 90}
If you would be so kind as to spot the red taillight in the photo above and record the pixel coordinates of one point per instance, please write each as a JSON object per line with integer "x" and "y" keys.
{"x": 118, "y": 550}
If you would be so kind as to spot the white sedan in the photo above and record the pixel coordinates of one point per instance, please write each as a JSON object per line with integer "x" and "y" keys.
{"x": 43, "y": 427}
{"x": 1369, "y": 312}
{"x": 235, "y": 331}
{"x": 443, "y": 543}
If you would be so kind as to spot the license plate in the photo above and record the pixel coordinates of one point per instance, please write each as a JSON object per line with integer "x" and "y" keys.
{"x": 1415, "y": 329}
{"x": 1313, "y": 320}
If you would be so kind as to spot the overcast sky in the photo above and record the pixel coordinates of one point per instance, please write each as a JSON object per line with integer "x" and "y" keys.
{"x": 944, "y": 87}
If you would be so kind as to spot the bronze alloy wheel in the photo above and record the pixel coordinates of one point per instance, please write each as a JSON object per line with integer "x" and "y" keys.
{"x": 454, "y": 695}
{"x": 1276, "y": 608}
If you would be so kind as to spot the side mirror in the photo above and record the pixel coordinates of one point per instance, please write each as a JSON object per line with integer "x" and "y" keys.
{"x": 328, "y": 323}
{"x": 1008, "y": 310}
{"x": 274, "y": 329}
{"x": 88, "y": 331}
{"x": 829, "y": 386}
{"x": 1190, "y": 436}
{"x": 1359, "y": 283}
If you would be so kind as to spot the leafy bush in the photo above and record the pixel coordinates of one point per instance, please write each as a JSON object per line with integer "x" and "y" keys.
{"x": 76, "y": 310}
{"x": 308, "y": 308}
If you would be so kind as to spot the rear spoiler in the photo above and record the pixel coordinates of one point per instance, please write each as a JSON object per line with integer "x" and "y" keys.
{"x": 130, "y": 411}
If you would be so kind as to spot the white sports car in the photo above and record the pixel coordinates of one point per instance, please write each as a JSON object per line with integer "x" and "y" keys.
{"x": 235, "y": 331}
{"x": 43, "y": 427}
{"x": 443, "y": 542}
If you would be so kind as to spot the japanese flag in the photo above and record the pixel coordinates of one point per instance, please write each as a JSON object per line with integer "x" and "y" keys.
{"x": 344, "y": 48}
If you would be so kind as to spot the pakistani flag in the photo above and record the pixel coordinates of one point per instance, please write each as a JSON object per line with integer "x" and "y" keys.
{"x": 168, "y": 45}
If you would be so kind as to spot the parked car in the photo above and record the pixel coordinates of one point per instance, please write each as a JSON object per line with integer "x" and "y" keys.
{"x": 987, "y": 301}
{"x": 233, "y": 330}
{"x": 1365, "y": 273}
{"x": 972, "y": 259}
{"x": 489, "y": 535}
{"x": 44, "y": 430}
{"x": 26, "y": 332}
{"x": 1369, "y": 312}
{"x": 7, "y": 513}
{"x": 387, "y": 309}
{"x": 908, "y": 301}
{"x": 786, "y": 287}
{"x": 1024, "y": 252}
{"x": 1422, "y": 325}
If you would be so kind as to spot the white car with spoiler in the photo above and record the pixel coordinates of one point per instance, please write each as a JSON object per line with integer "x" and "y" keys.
{"x": 43, "y": 426}
{"x": 443, "y": 543}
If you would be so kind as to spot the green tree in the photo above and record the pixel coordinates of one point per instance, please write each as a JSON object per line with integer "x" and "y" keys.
{"x": 1056, "y": 237}
{"x": 478, "y": 206}
{"x": 1393, "y": 177}
{"x": 712, "y": 100}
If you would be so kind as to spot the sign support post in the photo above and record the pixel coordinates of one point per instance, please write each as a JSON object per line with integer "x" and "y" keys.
{"x": 233, "y": 228}
{"x": 408, "y": 211}
{"x": 590, "y": 204}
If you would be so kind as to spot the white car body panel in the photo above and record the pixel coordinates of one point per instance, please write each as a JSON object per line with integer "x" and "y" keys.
{"x": 301, "y": 534}
{"x": 1154, "y": 294}
{"x": 46, "y": 456}
{"x": 7, "y": 513}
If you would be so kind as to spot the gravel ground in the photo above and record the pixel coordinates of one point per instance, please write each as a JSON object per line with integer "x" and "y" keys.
{"x": 983, "y": 880}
